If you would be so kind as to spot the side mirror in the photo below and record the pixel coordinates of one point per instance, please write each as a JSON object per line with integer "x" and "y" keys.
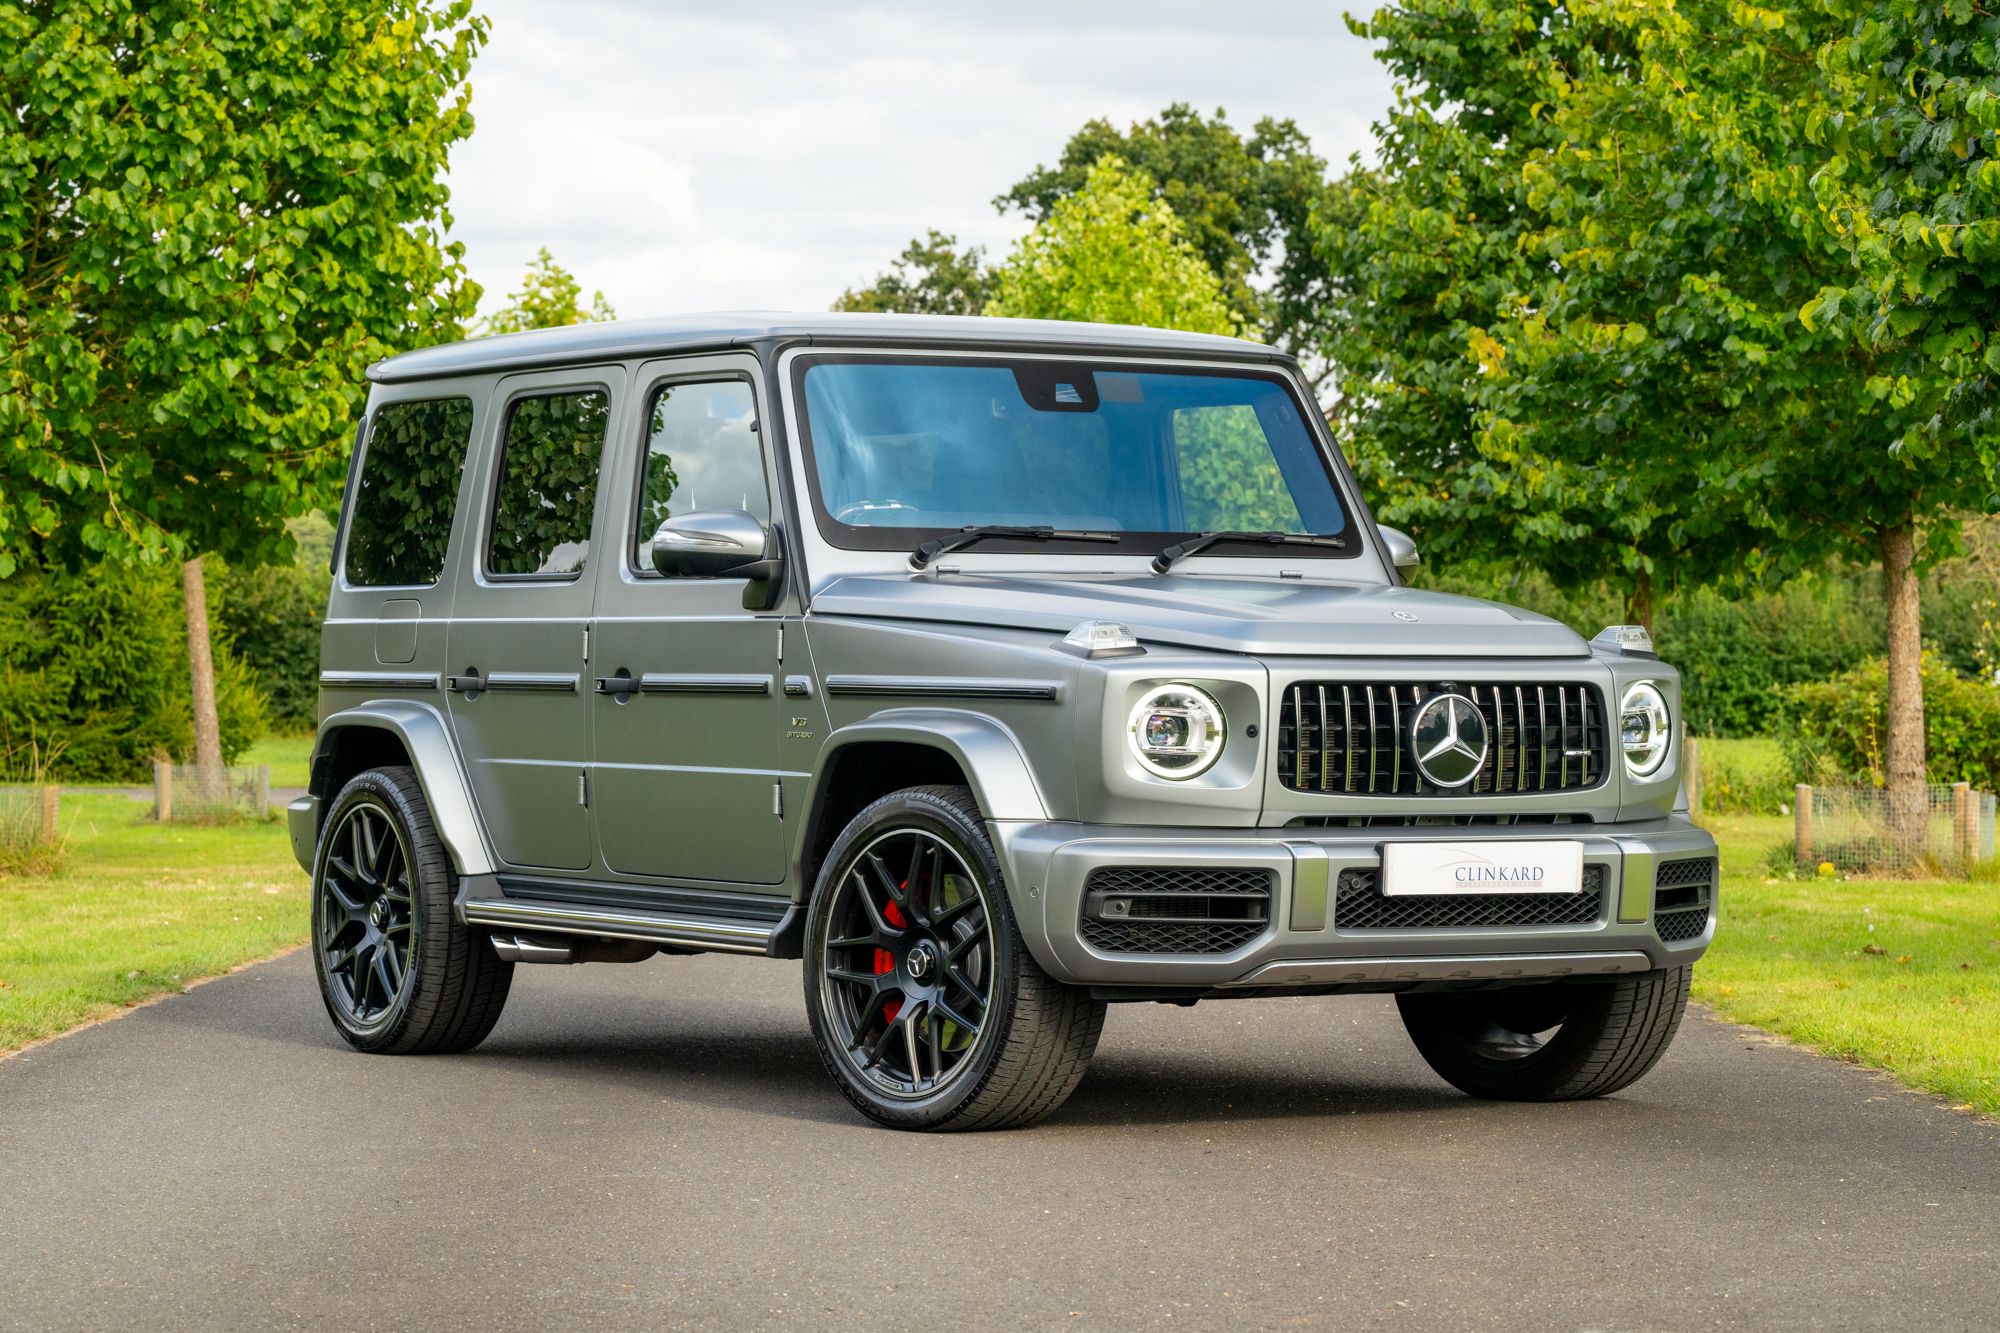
{"x": 1402, "y": 551}
{"x": 722, "y": 544}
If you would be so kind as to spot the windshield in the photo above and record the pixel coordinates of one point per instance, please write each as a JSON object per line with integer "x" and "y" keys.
{"x": 903, "y": 448}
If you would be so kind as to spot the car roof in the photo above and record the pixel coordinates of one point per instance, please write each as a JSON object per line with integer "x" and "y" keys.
{"x": 621, "y": 339}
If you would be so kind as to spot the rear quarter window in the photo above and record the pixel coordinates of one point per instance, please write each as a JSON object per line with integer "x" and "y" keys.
{"x": 399, "y": 519}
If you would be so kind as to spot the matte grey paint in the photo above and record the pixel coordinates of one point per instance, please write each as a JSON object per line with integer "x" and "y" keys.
{"x": 699, "y": 779}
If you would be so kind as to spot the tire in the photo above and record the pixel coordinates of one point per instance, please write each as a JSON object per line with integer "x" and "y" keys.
{"x": 397, "y": 972}
{"x": 908, "y": 1041}
{"x": 1606, "y": 1036}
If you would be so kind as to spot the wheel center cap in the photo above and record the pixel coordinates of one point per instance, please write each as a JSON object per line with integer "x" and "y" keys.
{"x": 378, "y": 912}
{"x": 921, "y": 962}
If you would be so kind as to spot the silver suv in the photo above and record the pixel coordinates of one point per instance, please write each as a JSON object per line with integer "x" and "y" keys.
{"x": 999, "y": 670}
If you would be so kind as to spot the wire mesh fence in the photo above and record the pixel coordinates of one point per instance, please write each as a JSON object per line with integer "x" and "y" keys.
{"x": 210, "y": 794}
{"x": 30, "y": 827}
{"x": 1945, "y": 829}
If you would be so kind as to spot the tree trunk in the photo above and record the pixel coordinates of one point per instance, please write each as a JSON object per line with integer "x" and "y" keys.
{"x": 1903, "y": 760}
{"x": 201, "y": 676}
{"x": 1639, "y": 601}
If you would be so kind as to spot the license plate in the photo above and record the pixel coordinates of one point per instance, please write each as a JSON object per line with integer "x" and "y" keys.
{"x": 1439, "y": 869}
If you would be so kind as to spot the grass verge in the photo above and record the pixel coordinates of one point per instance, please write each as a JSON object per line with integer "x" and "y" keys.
{"x": 289, "y": 757}
{"x": 139, "y": 910}
{"x": 1900, "y": 975}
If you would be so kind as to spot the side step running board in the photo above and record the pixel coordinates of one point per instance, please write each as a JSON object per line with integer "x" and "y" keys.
{"x": 710, "y": 934}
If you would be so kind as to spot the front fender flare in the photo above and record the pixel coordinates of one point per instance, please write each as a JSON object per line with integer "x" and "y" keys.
{"x": 426, "y": 738}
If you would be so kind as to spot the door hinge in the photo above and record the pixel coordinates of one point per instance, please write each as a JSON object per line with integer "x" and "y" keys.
{"x": 586, "y": 643}
{"x": 781, "y": 640}
{"x": 583, "y": 788}
{"x": 778, "y": 799}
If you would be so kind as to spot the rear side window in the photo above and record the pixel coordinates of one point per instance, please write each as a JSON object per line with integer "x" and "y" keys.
{"x": 548, "y": 484}
{"x": 399, "y": 517}
{"x": 701, "y": 453}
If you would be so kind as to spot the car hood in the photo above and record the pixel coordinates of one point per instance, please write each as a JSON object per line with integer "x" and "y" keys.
{"x": 1238, "y": 615}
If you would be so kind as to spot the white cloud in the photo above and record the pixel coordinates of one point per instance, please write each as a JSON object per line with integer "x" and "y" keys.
{"x": 680, "y": 158}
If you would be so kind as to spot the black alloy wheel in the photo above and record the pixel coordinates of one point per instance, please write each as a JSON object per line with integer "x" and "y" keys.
{"x": 367, "y": 922}
{"x": 908, "y": 977}
{"x": 926, "y": 1006}
{"x": 399, "y": 973}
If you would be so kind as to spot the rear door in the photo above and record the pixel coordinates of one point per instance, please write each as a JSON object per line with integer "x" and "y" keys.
{"x": 692, "y": 778}
{"x": 517, "y": 678}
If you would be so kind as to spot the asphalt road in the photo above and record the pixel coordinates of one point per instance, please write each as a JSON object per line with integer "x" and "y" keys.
{"x": 656, "y": 1145}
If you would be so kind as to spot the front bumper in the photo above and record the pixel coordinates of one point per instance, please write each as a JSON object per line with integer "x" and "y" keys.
{"x": 1304, "y": 943}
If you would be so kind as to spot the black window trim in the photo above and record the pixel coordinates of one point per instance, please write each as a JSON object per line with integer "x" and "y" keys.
{"x": 843, "y": 536}
{"x": 492, "y": 503}
{"x": 364, "y": 439}
{"x": 654, "y": 387}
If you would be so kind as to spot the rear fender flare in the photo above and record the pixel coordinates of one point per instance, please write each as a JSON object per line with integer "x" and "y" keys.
{"x": 426, "y": 738}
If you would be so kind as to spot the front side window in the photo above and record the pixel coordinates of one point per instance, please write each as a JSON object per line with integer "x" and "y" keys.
{"x": 906, "y": 449}
{"x": 701, "y": 453}
{"x": 548, "y": 484}
{"x": 399, "y": 517}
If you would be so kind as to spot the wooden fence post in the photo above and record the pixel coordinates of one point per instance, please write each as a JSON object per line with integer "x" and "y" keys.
{"x": 261, "y": 799}
{"x": 1691, "y": 774}
{"x": 1964, "y": 823}
{"x": 51, "y": 813}
{"x": 1802, "y": 823}
{"x": 163, "y": 790}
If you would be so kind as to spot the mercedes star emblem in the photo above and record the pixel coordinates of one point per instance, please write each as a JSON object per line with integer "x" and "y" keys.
{"x": 1448, "y": 738}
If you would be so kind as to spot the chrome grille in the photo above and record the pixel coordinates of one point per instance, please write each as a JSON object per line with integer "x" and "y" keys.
{"x": 1342, "y": 738}
{"x": 1359, "y": 905}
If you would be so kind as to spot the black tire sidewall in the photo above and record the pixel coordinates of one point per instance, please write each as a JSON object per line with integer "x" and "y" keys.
{"x": 924, "y": 810}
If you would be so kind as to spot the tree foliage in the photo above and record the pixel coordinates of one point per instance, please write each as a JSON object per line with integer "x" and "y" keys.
{"x": 1113, "y": 253}
{"x": 1912, "y": 190}
{"x": 1246, "y": 205}
{"x": 549, "y": 297}
{"x": 212, "y": 218}
{"x": 931, "y": 277}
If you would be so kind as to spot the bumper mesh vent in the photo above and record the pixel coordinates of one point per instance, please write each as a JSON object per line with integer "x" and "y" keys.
{"x": 1174, "y": 909}
{"x": 1353, "y": 739}
{"x": 1683, "y": 894}
{"x": 1358, "y": 905}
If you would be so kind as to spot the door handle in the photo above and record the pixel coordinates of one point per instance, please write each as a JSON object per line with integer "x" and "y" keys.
{"x": 470, "y": 683}
{"x": 618, "y": 687}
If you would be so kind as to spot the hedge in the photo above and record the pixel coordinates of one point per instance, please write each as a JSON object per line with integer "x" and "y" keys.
{"x": 1834, "y": 729}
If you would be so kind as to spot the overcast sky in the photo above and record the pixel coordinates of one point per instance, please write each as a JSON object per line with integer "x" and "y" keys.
{"x": 682, "y": 158}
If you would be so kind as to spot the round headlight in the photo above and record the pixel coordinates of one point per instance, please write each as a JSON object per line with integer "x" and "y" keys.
{"x": 1177, "y": 732}
{"x": 1642, "y": 730}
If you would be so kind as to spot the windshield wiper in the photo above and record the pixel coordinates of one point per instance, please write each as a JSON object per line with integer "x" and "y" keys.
{"x": 964, "y": 537}
{"x": 1164, "y": 561}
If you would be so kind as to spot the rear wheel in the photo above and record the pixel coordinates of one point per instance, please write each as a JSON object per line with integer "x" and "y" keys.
{"x": 398, "y": 973}
{"x": 1546, "y": 1043}
{"x": 924, "y": 1002}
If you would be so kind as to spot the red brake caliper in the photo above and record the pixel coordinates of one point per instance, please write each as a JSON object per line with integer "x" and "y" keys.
{"x": 884, "y": 963}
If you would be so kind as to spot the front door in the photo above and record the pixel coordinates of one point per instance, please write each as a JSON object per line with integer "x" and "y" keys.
{"x": 518, "y": 675}
{"x": 690, "y": 711}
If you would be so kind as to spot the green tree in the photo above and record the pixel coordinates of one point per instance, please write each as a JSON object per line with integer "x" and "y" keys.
{"x": 1247, "y": 205}
{"x": 212, "y": 219}
{"x": 931, "y": 277}
{"x": 1912, "y": 190}
{"x": 1558, "y": 453}
{"x": 1841, "y": 434}
{"x": 549, "y": 297}
{"x": 1113, "y": 252}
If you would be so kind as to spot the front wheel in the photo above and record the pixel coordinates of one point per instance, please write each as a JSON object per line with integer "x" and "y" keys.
{"x": 924, "y": 1002}
{"x": 1548, "y": 1043}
